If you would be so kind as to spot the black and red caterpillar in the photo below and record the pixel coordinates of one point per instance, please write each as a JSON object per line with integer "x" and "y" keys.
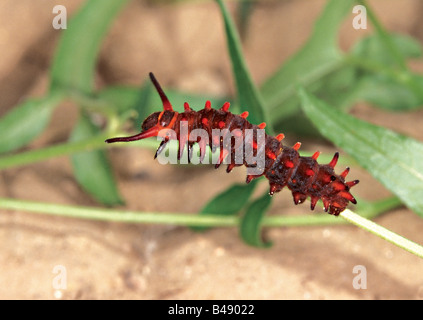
{"x": 283, "y": 166}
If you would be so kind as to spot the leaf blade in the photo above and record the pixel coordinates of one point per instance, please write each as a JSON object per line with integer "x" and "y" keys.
{"x": 392, "y": 158}
{"x": 25, "y": 122}
{"x": 229, "y": 202}
{"x": 92, "y": 169}
{"x": 250, "y": 226}
{"x": 248, "y": 95}
{"x": 320, "y": 56}
{"x": 74, "y": 62}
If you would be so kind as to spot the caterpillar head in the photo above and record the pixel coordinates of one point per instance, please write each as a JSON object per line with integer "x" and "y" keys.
{"x": 160, "y": 119}
{"x": 155, "y": 122}
{"x": 150, "y": 121}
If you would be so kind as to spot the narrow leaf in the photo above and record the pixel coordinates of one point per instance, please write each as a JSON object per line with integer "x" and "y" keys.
{"x": 380, "y": 82}
{"x": 229, "y": 202}
{"x": 372, "y": 47}
{"x": 92, "y": 169}
{"x": 247, "y": 93}
{"x": 250, "y": 227}
{"x": 74, "y": 63}
{"x": 386, "y": 93}
{"x": 122, "y": 98}
{"x": 25, "y": 122}
{"x": 319, "y": 57}
{"x": 394, "y": 159}
{"x": 388, "y": 43}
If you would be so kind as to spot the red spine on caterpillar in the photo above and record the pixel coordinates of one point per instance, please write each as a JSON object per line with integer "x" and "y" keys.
{"x": 283, "y": 166}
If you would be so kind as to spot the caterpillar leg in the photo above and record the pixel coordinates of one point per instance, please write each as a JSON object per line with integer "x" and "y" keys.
{"x": 161, "y": 147}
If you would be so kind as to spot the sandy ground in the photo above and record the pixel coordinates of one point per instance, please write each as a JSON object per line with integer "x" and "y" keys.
{"x": 185, "y": 45}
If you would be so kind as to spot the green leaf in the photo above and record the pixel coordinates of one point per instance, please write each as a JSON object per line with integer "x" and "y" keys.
{"x": 350, "y": 83}
{"x": 74, "y": 63}
{"x": 394, "y": 159}
{"x": 372, "y": 47}
{"x": 122, "y": 98}
{"x": 319, "y": 57}
{"x": 244, "y": 12}
{"x": 386, "y": 93}
{"x": 143, "y": 105}
{"x": 379, "y": 81}
{"x": 247, "y": 93}
{"x": 229, "y": 202}
{"x": 25, "y": 122}
{"x": 91, "y": 168}
{"x": 389, "y": 45}
{"x": 250, "y": 227}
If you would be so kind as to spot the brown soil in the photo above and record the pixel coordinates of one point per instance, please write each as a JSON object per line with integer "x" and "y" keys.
{"x": 185, "y": 46}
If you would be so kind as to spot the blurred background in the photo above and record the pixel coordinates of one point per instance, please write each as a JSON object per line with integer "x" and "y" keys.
{"x": 184, "y": 44}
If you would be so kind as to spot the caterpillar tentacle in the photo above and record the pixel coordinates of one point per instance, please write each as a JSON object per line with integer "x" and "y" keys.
{"x": 283, "y": 165}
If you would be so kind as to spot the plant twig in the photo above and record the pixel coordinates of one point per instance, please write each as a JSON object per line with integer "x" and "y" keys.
{"x": 33, "y": 156}
{"x": 382, "y": 232}
{"x": 124, "y": 216}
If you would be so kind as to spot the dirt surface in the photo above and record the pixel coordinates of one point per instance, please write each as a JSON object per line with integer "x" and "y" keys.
{"x": 185, "y": 46}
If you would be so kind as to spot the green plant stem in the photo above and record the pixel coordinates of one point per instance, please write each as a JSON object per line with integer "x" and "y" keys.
{"x": 114, "y": 215}
{"x": 124, "y": 216}
{"x": 32, "y": 156}
{"x": 174, "y": 218}
{"x": 95, "y": 143}
{"x": 383, "y": 233}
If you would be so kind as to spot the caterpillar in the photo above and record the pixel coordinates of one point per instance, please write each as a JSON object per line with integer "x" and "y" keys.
{"x": 283, "y": 166}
